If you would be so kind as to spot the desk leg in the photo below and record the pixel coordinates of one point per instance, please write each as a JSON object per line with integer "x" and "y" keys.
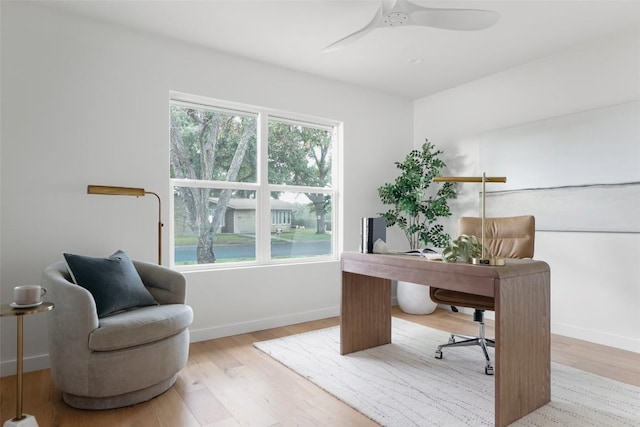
{"x": 365, "y": 315}
{"x": 523, "y": 346}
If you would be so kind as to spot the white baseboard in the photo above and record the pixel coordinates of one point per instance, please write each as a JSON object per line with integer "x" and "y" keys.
{"x": 29, "y": 364}
{"x": 597, "y": 337}
{"x": 261, "y": 324}
{"x": 572, "y": 331}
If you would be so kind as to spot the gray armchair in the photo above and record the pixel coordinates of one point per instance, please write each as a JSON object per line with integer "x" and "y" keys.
{"x": 122, "y": 359}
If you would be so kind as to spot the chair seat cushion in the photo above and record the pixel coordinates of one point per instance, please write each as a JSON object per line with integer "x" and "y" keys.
{"x": 448, "y": 297}
{"x": 140, "y": 326}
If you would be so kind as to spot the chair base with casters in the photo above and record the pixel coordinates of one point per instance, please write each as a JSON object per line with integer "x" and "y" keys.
{"x": 480, "y": 340}
{"x": 510, "y": 237}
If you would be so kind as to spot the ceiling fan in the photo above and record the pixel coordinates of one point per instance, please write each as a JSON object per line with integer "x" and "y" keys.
{"x": 403, "y": 13}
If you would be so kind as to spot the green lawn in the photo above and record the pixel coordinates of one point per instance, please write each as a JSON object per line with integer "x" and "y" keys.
{"x": 303, "y": 235}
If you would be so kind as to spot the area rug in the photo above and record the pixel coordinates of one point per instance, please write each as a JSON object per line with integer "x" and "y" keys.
{"x": 403, "y": 384}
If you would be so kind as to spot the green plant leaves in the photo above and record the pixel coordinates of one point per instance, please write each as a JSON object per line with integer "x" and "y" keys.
{"x": 464, "y": 248}
{"x": 415, "y": 209}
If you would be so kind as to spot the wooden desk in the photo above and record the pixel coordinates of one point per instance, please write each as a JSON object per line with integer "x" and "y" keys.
{"x": 522, "y": 300}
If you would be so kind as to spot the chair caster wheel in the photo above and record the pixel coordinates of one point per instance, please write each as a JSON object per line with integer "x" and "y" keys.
{"x": 488, "y": 370}
{"x": 438, "y": 354}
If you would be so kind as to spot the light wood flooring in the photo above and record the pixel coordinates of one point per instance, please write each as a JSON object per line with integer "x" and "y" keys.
{"x": 227, "y": 382}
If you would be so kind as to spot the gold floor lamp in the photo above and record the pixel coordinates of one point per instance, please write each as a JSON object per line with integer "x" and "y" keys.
{"x": 131, "y": 191}
{"x": 483, "y": 179}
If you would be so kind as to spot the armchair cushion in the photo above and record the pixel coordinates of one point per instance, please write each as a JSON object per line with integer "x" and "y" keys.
{"x": 113, "y": 282}
{"x": 141, "y": 326}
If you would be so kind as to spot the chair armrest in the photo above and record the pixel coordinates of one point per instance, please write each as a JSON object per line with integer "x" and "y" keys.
{"x": 70, "y": 323}
{"x": 166, "y": 285}
{"x": 75, "y": 309}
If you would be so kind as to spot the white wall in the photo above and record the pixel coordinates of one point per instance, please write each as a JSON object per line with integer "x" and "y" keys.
{"x": 87, "y": 103}
{"x": 595, "y": 277}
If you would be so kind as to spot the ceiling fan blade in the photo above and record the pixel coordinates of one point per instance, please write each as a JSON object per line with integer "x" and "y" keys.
{"x": 348, "y": 39}
{"x": 372, "y": 25}
{"x": 395, "y": 13}
{"x": 454, "y": 19}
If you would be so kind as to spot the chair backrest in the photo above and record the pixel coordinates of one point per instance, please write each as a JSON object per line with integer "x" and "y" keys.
{"x": 510, "y": 237}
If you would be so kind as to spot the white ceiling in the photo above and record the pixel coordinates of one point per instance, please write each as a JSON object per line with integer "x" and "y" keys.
{"x": 292, "y": 34}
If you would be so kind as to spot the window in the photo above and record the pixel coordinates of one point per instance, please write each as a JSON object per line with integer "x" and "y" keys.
{"x": 250, "y": 185}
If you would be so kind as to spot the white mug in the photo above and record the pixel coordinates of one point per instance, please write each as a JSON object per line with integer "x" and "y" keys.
{"x": 28, "y": 294}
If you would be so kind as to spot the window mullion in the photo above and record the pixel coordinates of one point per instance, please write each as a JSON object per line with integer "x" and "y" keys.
{"x": 182, "y": 182}
{"x": 336, "y": 166}
{"x": 263, "y": 217}
{"x": 299, "y": 189}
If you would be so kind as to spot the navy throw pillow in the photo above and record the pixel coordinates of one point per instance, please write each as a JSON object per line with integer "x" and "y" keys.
{"x": 113, "y": 282}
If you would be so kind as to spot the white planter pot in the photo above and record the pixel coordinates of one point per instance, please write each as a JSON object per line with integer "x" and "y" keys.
{"x": 414, "y": 299}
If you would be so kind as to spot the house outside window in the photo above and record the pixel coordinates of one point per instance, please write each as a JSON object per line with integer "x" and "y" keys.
{"x": 250, "y": 185}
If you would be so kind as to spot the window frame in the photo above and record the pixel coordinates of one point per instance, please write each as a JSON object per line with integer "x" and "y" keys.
{"x": 262, "y": 187}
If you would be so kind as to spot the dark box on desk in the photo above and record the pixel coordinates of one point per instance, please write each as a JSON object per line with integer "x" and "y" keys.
{"x": 371, "y": 229}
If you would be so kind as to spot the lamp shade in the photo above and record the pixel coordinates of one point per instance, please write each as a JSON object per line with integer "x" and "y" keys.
{"x": 115, "y": 191}
{"x": 469, "y": 179}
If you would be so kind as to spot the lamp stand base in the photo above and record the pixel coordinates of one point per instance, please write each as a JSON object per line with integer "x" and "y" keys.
{"x": 495, "y": 261}
{"x": 24, "y": 421}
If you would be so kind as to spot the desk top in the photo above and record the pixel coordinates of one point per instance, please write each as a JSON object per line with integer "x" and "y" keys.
{"x": 7, "y": 310}
{"x": 463, "y": 277}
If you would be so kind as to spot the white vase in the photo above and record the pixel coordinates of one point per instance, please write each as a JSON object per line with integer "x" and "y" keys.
{"x": 414, "y": 299}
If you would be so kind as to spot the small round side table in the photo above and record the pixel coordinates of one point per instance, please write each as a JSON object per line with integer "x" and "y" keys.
{"x": 21, "y": 420}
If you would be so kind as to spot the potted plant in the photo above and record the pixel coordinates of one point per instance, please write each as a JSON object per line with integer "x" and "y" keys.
{"x": 464, "y": 248}
{"x": 415, "y": 209}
